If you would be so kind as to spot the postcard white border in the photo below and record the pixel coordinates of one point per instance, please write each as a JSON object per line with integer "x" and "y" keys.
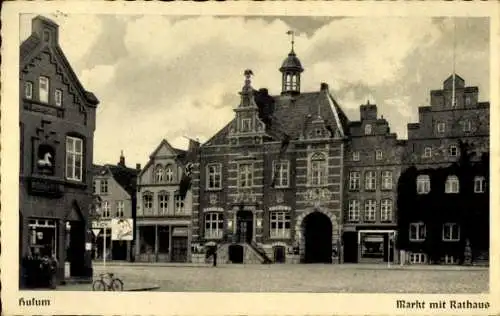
{"x": 218, "y": 303}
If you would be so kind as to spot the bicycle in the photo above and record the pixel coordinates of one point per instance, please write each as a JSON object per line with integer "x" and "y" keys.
{"x": 107, "y": 282}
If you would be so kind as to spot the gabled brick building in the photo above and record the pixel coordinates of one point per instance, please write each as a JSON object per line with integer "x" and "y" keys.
{"x": 236, "y": 209}
{"x": 57, "y": 122}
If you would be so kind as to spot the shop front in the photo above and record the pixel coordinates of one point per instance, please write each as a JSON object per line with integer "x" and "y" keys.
{"x": 376, "y": 246}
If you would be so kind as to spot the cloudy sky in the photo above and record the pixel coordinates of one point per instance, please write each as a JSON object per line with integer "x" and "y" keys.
{"x": 168, "y": 77}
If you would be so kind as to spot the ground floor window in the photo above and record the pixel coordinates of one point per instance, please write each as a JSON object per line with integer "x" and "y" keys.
{"x": 147, "y": 239}
{"x": 214, "y": 225}
{"x": 449, "y": 259}
{"x": 280, "y": 225}
{"x": 417, "y": 258}
{"x": 43, "y": 237}
{"x": 372, "y": 246}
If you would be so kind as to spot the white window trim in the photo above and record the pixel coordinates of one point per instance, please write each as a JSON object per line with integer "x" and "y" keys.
{"x": 354, "y": 180}
{"x": 379, "y": 155}
{"x": 353, "y": 212}
{"x": 58, "y": 97}
{"x": 422, "y": 258}
{"x": 370, "y": 209}
{"x": 120, "y": 209}
{"x": 450, "y": 151}
{"x": 247, "y": 173}
{"x": 355, "y": 156}
{"x": 452, "y": 185}
{"x": 281, "y": 217}
{"x": 159, "y": 174}
{"x": 368, "y": 129}
{"x": 103, "y": 184}
{"x": 371, "y": 180}
{"x": 420, "y": 229}
{"x": 28, "y": 90}
{"x": 180, "y": 206}
{"x": 387, "y": 180}
{"x": 249, "y": 124}
{"x": 282, "y": 174}
{"x": 218, "y": 172}
{"x": 466, "y": 126}
{"x": 169, "y": 174}
{"x": 43, "y": 97}
{"x": 163, "y": 198}
{"x": 441, "y": 127}
{"x": 211, "y": 233}
{"x": 452, "y": 227}
{"x": 481, "y": 181}
{"x": 321, "y": 162}
{"x": 151, "y": 202}
{"x": 74, "y": 153}
{"x": 426, "y": 184}
{"x": 427, "y": 152}
{"x": 106, "y": 209}
{"x": 386, "y": 210}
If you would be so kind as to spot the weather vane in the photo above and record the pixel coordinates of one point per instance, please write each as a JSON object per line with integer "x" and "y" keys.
{"x": 292, "y": 34}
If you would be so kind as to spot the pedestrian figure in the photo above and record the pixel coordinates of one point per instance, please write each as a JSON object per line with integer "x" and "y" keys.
{"x": 215, "y": 258}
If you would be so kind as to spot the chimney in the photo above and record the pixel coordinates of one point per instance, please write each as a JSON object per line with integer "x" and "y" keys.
{"x": 324, "y": 86}
{"x": 138, "y": 166}
{"x": 122, "y": 160}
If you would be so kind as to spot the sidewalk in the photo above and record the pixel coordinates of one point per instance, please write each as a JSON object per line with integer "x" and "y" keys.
{"x": 127, "y": 287}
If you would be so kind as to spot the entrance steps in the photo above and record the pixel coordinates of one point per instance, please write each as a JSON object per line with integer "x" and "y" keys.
{"x": 252, "y": 254}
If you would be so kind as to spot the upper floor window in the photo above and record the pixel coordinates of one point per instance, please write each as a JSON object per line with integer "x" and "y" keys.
{"x": 370, "y": 210}
{"x": 386, "y": 180}
{"x": 147, "y": 201}
{"x": 368, "y": 129}
{"x": 28, "y": 90}
{"x": 58, "y": 97}
{"x": 214, "y": 225}
{"x": 453, "y": 151}
{"x": 214, "y": 176}
{"x": 353, "y": 212}
{"x": 441, "y": 127}
{"x": 428, "y": 152}
{"x": 245, "y": 175}
{"x": 318, "y": 169}
{"x": 370, "y": 180}
{"x": 386, "y": 210}
{"x": 120, "y": 209}
{"x": 246, "y": 125}
{"x": 169, "y": 174}
{"x": 378, "y": 155}
{"x": 354, "y": 180}
{"x": 452, "y": 184}
{"x": 43, "y": 88}
{"x": 104, "y": 186}
{"x": 423, "y": 184}
{"x": 451, "y": 232}
{"x": 468, "y": 100}
{"x": 74, "y": 158}
{"x": 282, "y": 170}
{"x": 417, "y": 232}
{"x": 355, "y": 156}
{"x": 179, "y": 203}
{"x": 106, "y": 209}
{"x": 159, "y": 173}
{"x": 479, "y": 184}
{"x": 163, "y": 202}
{"x": 466, "y": 126}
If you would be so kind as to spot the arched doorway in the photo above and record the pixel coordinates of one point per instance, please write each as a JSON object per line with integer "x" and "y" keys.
{"x": 244, "y": 220}
{"x": 317, "y": 229}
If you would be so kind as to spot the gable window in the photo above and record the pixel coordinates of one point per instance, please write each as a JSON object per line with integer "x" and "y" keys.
{"x": 353, "y": 212}
{"x": 246, "y": 125}
{"x": 479, "y": 184}
{"x": 386, "y": 210}
{"x": 417, "y": 232}
{"x": 386, "y": 180}
{"x": 163, "y": 202}
{"x": 354, "y": 180}
{"x": 466, "y": 126}
{"x": 318, "y": 169}
{"x": 74, "y": 158}
{"x": 378, "y": 155}
{"x": 451, "y": 232}
{"x": 355, "y": 156}
{"x": 370, "y": 210}
{"x": 104, "y": 186}
{"x": 282, "y": 170}
{"x": 28, "y": 90}
{"x": 370, "y": 180}
{"x": 468, "y": 100}
{"x": 279, "y": 225}
{"x": 120, "y": 209}
{"x": 214, "y": 176}
{"x": 106, "y": 209}
{"x": 159, "y": 174}
{"x": 148, "y": 202}
{"x": 453, "y": 151}
{"x": 58, "y": 97}
{"x": 43, "y": 89}
{"x": 368, "y": 129}
{"x": 441, "y": 127}
{"x": 423, "y": 184}
{"x": 452, "y": 185}
{"x": 428, "y": 152}
{"x": 245, "y": 175}
{"x": 169, "y": 174}
{"x": 214, "y": 225}
{"x": 179, "y": 203}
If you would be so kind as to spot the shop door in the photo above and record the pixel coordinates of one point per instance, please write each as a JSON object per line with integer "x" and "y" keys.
{"x": 179, "y": 249}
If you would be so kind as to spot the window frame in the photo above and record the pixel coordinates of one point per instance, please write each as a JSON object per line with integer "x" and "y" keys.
{"x": 169, "y": 174}
{"x": 386, "y": 210}
{"x": 283, "y": 173}
{"x": 179, "y": 205}
{"x": 214, "y": 177}
{"x": 356, "y": 156}
{"x": 106, "y": 209}
{"x": 387, "y": 178}
{"x": 74, "y": 154}
{"x": 423, "y": 181}
{"x": 370, "y": 180}
{"x": 245, "y": 175}
{"x": 58, "y": 97}
{"x": 353, "y": 211}
{"x": 452, "y": 185}
{"x": 427, "y": 152}
{"x": 368, "y": 129}
{"x": 451, "y": 149}
{"x": 245, "y": 128}
{"x": 441, "y": 127}
{"x": 211, "y": 218}
{"x": 120, "y": 209}
{"x": 163, "y": 199}
{"x": 318, "y": 169}
{"x": 420, "y": 232}
{"x": 379, "y": 155}
{"x": 147, "y": 209}
{"x": 481, "y": 180}
{"x": 28, "y": 87}
{"x": 466, "y": 126}
{"x": 451, "y": 227}
{"x": 159, "y": 174}
{"x": 283, "y": 218}
{"x": 45, "y": 96}
{"x": 370, "y": 210}
{"x": 103, "y": 186}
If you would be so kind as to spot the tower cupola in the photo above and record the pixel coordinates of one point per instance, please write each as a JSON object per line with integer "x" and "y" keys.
{"x": 291, "y": 70}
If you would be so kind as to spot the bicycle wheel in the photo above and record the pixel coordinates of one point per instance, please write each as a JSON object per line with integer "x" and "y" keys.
{"x": 98, "y": 285}
{"x": 116, "y": 285}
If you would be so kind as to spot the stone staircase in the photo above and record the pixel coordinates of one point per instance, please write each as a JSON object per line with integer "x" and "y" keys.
{"x": 252, "y": 253}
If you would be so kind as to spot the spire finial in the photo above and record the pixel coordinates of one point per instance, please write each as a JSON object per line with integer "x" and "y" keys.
{"x": 292, "y": 34}
{"x": 248, "y": 73}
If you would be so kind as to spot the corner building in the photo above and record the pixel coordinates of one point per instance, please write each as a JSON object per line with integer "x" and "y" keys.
{"x": 235, "y": 208}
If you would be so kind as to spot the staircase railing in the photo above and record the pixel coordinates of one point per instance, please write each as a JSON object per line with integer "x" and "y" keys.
{"x": 260, "y": 252}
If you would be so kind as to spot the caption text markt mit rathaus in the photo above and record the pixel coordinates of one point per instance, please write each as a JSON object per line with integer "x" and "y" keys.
{"x": 442, "y": 304}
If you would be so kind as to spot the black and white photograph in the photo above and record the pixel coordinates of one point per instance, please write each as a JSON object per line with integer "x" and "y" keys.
{"x": 167, "y": 157}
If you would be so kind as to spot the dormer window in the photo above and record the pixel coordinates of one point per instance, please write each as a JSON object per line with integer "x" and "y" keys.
{"x": 368, "y": 129}
{"x": 58, "y": 97}
{"x": 441, "y": 127}
{"x": 43, "y": 88}
{"x": 28, "y": 90}
{"x": 246, "y": 125}
{"x": 46, "y": 35}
